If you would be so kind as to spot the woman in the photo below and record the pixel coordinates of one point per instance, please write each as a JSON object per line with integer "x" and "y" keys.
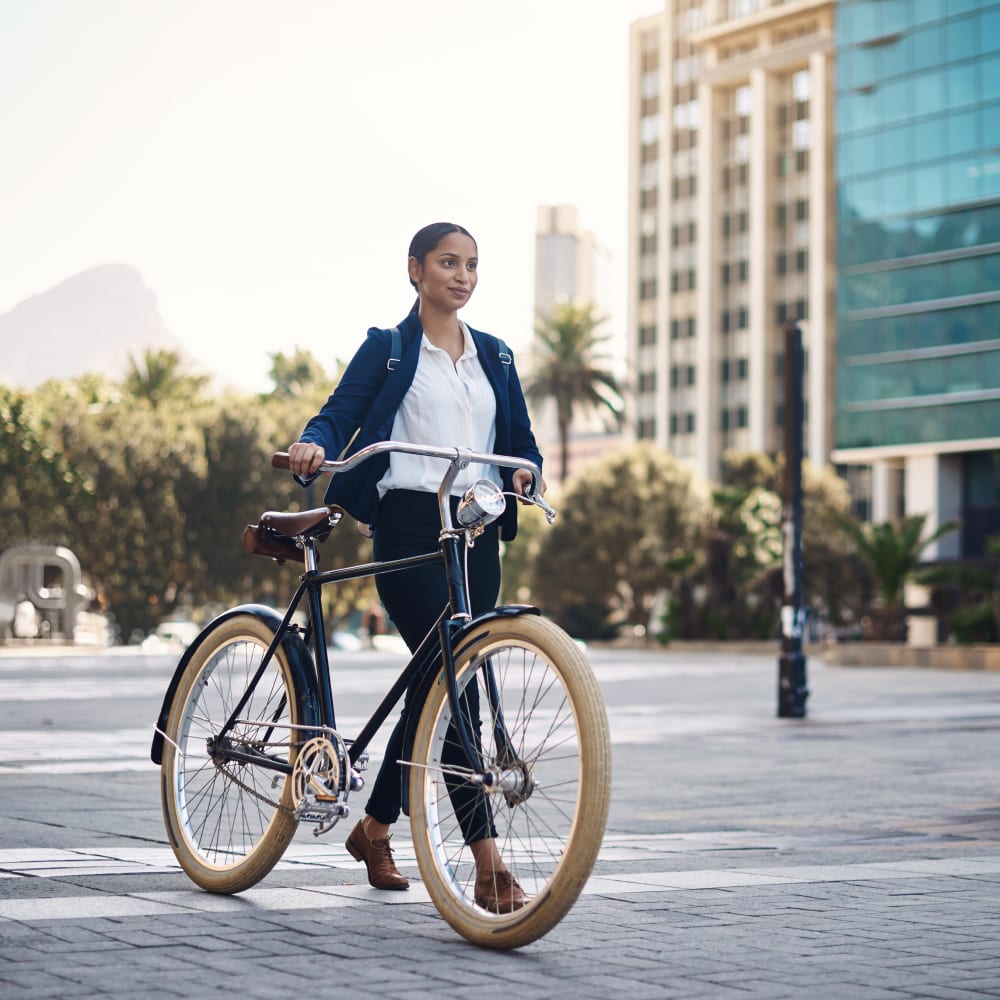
{"x": 451, "y": 386}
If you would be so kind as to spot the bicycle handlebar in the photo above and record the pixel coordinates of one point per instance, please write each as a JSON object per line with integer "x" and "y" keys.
{"x": 458, "y": 457}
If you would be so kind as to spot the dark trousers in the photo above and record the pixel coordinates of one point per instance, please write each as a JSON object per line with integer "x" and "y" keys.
{"x": 409, "y": 525}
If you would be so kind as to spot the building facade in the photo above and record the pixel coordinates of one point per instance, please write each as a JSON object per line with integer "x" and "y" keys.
{"x": 918, "y": 305}
{"x": 731, "y": 202}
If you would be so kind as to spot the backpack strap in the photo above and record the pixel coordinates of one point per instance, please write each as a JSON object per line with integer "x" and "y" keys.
{"x": 396, "y": 353}
{"x": 506, "y": 358}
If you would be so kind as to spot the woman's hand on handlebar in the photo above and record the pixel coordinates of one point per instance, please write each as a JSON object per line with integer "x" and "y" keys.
{"x": 522, "y": 481}
{"x": 304, "y": 459}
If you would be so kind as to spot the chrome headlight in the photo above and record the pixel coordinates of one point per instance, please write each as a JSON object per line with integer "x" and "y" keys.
{"x": 482, "y": 503}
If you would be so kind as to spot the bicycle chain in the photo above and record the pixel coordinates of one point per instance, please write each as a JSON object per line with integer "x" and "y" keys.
{"x": 219, "y": 766}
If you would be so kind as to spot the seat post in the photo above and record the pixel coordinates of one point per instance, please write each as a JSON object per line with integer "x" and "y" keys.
{"x": 311, "y": 556}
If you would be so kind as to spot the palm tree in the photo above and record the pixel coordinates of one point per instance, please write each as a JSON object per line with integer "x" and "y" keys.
{"x": 567, "y": 367}
{"x": 160, "y": 376}
{"x": 891, "y": 552}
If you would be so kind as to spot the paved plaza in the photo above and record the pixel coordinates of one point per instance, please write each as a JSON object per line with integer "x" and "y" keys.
{"x": 855, "y": 853}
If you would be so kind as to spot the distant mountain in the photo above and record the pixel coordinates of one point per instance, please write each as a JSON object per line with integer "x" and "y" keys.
{"x": 92, "y": 322}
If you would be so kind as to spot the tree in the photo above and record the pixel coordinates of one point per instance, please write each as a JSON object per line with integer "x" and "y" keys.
{"x": 605, "y": 561}
{"x": 891, "y": 553}
{"x": 297, "y": 374}
{"x": 737, "y": 571}
{"x": 160, "y": 377}
{"x": 567, "y": 368}
{"x": 39, "y": 485}
{"x": 126, "y": 526}
{"x": 831, "y": 577}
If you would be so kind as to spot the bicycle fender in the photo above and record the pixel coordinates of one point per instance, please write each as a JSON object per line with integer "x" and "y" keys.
{"x": 299, "y": 659}
{"x": 431, "y": 665}
{"x": 504, "y": 611}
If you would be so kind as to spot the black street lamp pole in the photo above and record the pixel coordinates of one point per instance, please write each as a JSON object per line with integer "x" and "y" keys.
{"x": 792, "y": 689}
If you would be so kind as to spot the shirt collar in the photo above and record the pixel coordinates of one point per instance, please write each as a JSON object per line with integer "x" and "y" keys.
{"x": 470, "y": 345}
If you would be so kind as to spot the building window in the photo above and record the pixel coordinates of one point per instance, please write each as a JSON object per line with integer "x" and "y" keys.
{"x": 724, "y": 321}
{"x": 649, "y": 129}
{"x": 801, "y": 85}
{"x": 690, "y": 374}
{"x": 742, "y": 368}
{"x": 690, "y": 326}
{"x": 742, "y": 101}
{"x": 675, "y": 376}
{"x": 781, "y": 263}
{"x": 802, "y": 261}
{"x": 675, "y": 329}
{"x": 724, "y": 370}
{"x": 689, "y": 423}
{"x": 742, "y": 270}
{"x": 724, "y": 274}
{"x": 801, "y": 210}
{"x": 647, "y": 336}
{"x": 673, "y": 424}
{"x": 646, "y": 428}
{"x": 741, "y": 416}
{"x": 647, "y": 381}
{"x": 742, "y": 318}
{"x": 724, "y": 420}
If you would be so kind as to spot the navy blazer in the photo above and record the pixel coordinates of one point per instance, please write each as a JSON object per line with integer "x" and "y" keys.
{"x": 367, "y": 397}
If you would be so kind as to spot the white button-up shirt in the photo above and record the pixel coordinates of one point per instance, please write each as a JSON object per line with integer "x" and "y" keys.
{"x": 448, "y": 404}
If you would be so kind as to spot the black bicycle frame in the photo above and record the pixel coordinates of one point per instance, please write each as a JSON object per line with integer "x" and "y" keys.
{"x": 453, "y": 617}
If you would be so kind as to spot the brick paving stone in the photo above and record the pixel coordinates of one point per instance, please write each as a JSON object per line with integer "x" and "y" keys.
{"x": 870, "y": 787}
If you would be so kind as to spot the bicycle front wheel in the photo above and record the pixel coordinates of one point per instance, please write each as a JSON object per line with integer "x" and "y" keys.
{"x": 530, "y": 699}
{"x": 230, "y": 821}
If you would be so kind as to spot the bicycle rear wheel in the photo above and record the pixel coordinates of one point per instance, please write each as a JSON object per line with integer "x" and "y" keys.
{"x": 551, "y": 759}
{"x": 230, "y": 822}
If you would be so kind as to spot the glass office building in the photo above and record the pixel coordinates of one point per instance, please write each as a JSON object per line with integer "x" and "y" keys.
{"x": 918, "y": 292}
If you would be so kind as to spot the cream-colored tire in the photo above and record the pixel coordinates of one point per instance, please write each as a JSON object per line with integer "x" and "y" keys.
{"x": 549, "y": 802}
{"x": 225, "y": 836}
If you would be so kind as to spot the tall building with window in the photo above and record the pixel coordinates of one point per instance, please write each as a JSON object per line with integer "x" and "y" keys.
{"x": 730, "y": 223}
{"x": 918, "y": 310}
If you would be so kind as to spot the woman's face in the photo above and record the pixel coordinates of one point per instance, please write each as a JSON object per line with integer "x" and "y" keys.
{"x": 447, "y": 277}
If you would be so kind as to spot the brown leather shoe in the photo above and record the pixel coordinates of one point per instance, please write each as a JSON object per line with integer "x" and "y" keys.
{"x": 377, "y": 856}
{"x": 499, "y": 892}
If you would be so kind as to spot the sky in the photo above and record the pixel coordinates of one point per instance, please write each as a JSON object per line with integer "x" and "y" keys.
{"x": 263, "y": 165}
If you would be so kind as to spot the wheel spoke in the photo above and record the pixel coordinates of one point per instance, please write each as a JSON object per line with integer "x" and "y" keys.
{"x": 547, "y": 811}
{"x": 227, "y": 826}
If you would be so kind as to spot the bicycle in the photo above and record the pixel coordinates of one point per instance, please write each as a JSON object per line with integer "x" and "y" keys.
{"x": 249, "y": 748}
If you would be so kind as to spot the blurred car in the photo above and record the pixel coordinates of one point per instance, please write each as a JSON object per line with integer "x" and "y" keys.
{"x": 170, "y": 637}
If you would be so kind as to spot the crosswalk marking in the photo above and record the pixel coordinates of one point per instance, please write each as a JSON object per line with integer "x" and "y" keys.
{"x": 265, "y": 898}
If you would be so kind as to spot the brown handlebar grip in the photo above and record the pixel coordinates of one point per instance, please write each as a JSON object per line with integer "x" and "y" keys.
{"x": 280, "y": 460}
